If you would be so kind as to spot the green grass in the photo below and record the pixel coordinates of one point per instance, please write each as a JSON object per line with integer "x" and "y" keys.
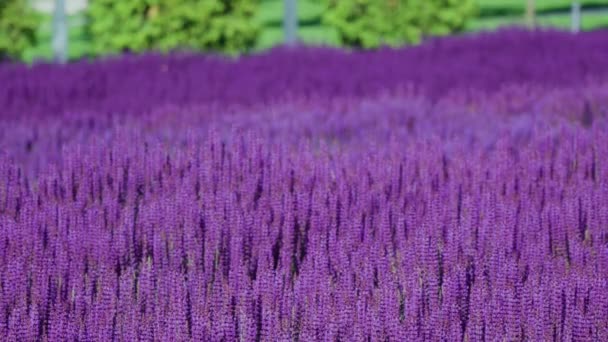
{"x": 269, "y": 38}
{"x": 489, "y": 8}
{"x": 589, "y": 21}
{"x": 492, "y": 23}
{"x": 492, "y": 14}
{"x": 319, "y": 35}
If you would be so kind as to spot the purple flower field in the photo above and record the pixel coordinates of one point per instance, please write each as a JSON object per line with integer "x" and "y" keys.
{"x": 456, "y": 191}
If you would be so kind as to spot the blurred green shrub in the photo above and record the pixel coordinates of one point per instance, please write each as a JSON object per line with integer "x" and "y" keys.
{"x": 18, "y": 27}
{"x": 373, "y": 23}
{"x": 140, "y": 25}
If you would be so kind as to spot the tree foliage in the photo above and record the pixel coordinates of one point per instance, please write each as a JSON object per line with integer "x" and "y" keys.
{"x": 18, "y": 26}
{"x": 140, "y": 25}
{"x": 372, "y": 23}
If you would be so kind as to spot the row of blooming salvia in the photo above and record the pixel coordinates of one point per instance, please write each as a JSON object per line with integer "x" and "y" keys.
{"x": 407, "y": 116}
{"x": 141, "y": 83}
{"x": 216, "y": 201}
{"x": 444, "y": 231}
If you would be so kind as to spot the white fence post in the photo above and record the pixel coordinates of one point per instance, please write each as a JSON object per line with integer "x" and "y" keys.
{"x": 575, "y": 17}
{"x": 530, "y": 13}
{"x": 290, "y": 21}
{"x": 60, "y": 32}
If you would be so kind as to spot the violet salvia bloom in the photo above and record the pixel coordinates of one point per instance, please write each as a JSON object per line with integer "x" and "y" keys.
{"x": 470, "y": 206}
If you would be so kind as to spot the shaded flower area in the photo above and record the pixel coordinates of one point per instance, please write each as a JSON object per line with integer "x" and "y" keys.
{"x": 395, "y": 215}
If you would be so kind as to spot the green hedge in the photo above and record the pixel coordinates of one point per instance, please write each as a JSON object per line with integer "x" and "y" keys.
{"x": 372, "y": 23}
{"x": 18, "y": 27}
{"x": 140, "y": 25}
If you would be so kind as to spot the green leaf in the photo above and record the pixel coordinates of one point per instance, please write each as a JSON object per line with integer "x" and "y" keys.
{"x": 372, "y": 23}
{"x": 165, "y": 25}
{"x": 18, "y": 26}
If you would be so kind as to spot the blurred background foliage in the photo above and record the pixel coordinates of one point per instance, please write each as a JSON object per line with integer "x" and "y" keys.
{"x": 372, "y": 23}
{"x": 140, "y": 25}
{"x": 18, "y": 28}
{"x": 101, "y": 27}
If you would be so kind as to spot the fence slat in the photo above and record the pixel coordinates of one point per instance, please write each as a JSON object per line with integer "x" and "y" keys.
{"x": 290, "y": 21}
{"x": 60, "y": 32}
{"x": 575, "y": 17}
